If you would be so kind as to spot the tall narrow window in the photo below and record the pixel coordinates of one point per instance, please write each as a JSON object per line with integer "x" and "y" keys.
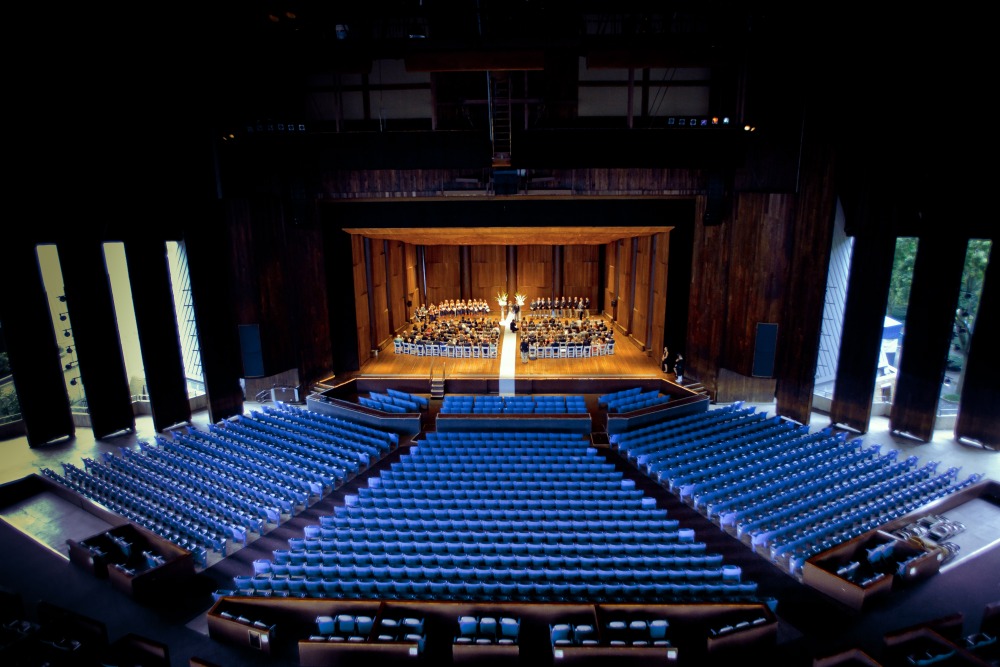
{"x": 10, "y": 409}
{"x": 832, "y": 327}
{"x": 894, "y": 329}
{"x": 186, "y": 324}
{"x": 52, "y": 281}
{"x": 128, "y": 331}
{"x": 977, "y": 258}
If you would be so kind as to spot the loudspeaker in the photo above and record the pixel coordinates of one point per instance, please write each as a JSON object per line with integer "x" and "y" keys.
{"x": 251, "y": 351}
{"x": 764, "y": 350}
{"x": 715, "y": 206}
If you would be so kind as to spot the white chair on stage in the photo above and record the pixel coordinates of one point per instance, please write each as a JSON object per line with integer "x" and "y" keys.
{"x": 493, "y": 350}
{"x": 571, "y": 349}
{"x": 611, "y": 347}
{"x": 420, "y": 349}
{"x": 475, "y": 351}
{"x": 408, "y": 348}
{"x": 563, "y": 350}
{"x": 397, "y": 346}
{"x": 484, "y": 351}
{"x": 587, "y": 350}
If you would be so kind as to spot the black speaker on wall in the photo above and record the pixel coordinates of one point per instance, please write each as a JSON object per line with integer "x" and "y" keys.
{"x": 716, "y": 205}
{"x": 765, "y": 347}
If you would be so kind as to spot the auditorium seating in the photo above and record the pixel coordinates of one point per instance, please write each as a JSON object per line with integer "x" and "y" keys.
{"x": 207, "y": 491}
{"x": 775, "y": 485}
{"x": 530, "y": 517}
{"x": 528, "y": 404}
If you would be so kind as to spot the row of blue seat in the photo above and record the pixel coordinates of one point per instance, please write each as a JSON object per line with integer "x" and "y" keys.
{"x": 187, "y": 534}
{"x": 501, "y": 591}
{"x": 383, "y": 440}
{"x": 511, "y": 437}
{"x": 318, "y": 438}
{"x": 604, "y": 399}
{"x": 778, "y": 486}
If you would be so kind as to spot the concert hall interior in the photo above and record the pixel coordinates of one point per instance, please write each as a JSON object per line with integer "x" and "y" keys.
{"x": 532, "y": 332}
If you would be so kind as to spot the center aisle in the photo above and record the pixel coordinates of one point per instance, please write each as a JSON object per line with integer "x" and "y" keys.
{"x": 508, "y": 357}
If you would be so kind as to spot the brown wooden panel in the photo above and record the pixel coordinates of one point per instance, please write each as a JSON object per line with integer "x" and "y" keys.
{"x": 396, "y": 278}
{"x": 610, "y": 271}
{"x": 379, "y": 297}
{"x": 581, "y": 267}
{"x": 624, "y": 269}
{"x": 489, "y": 272}
{"x": 661, "y": 254}
{"x": 978, "y": 416}
{"x": 861, "y": 338}
{"x": 930, "y": 318}
{"x": 643, "y": 287}
{"x": 801, "y": 310}
{"x": 534, "y": 271}
{"x": 411, "y": 280}
{"x": 361, "y": 317}
{"x": 504, "y": 236}
{"x": 442, "y": 269}
{"x": 707, "y": 315}
{"x": 758, "y": 273}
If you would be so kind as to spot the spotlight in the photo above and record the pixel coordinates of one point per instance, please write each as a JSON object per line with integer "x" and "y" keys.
{"x": 67, "y": 332}
{"x": 73, "y": 381}
{"x": 63, "y": 316}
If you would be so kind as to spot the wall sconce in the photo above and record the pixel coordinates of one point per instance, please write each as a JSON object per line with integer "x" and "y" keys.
{"x": 74, "y": 380}
{"x": 67, "y": 332}
{"x": 69, "y": 350}
{"x": 71, "y": 365}
{"x": 63, "y": 316}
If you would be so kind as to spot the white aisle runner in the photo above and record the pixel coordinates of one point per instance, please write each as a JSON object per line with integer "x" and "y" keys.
{"x": 509, "y": 354}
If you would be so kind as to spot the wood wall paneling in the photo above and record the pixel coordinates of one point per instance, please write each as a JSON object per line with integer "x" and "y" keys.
{"x": 658, "y": 292}
{"x": 489, "y": 272}
{"x": 361, "y": 296}
{"x": 643, "y": 289}
{"x": 610, "y": 275}
{"x": 397, "y": 278}
{"x": 534, "y": 271}
{"x": 708, "y": 317}
{"x": 930, "y": 319}
{"x": 32, "y": 349}
{"x": 800, "y": 314}
{"x": 581, "y": 266}
{"x": 861, "y": 338}
{"x": 442, "y": 269}
{"x": 379, "y": 296}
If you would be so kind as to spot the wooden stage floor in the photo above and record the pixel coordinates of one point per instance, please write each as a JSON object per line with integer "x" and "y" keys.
{"x": 628, "y": 361}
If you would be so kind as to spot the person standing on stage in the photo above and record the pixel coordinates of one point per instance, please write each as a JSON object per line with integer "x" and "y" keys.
{"x": 525, "y": 347}
{"x": 679, "y": 368}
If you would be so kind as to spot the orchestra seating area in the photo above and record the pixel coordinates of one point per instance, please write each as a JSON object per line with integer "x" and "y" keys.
{"x": 521, "y": 404}
{"x": 207, "y": 491}
{"x": 525, "y": 516}
{"x": 787, "y": 493}
{"x": 472, "y": 530}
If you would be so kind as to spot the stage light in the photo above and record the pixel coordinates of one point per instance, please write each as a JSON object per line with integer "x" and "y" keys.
{"x": 67, "y": 332}
{"x": 671, "y": 121}
{"x": 73, "y": 381}
{"x": 63, "y": 316}
{"x": 725, "y": 120}
{"x": 715, "y": 120}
